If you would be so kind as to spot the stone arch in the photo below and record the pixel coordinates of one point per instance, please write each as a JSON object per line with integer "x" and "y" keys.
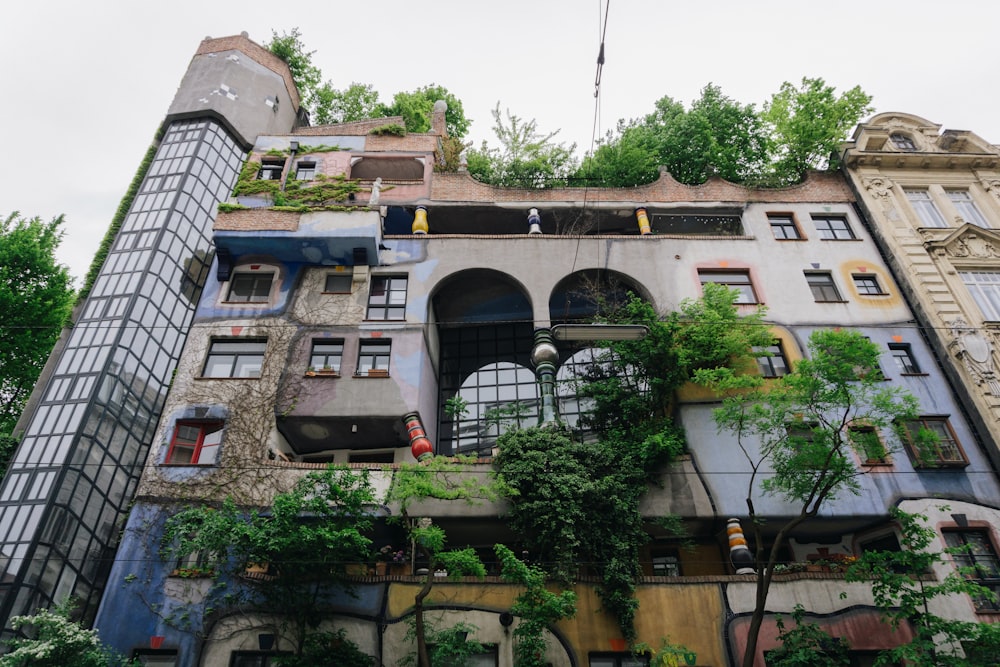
{"x": 584, "y": 294}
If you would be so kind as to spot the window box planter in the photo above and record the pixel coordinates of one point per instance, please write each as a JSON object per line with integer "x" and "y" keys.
{"x": 378, "y": 373}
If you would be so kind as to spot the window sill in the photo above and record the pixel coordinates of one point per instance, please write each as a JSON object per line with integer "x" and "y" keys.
{"x": 914, "y": 375}
{"x": 205, "y": 377}
{"x": 168, "y": 464}
{"x": 370, "y": 374}
{"x": 792, "y": 240}
{"x": 841, "y": 240}
{"x": 935, "y": 467}
{"x": 833, "y": 301}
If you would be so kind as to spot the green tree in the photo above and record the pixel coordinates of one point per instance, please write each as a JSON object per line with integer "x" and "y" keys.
{"x": 307, "y": 537}
{"x": 903, "y": 595}
{"x": 327, "y": 649}
{"x": 36, "y": 298}
{"x": 537, "y": 607}
{"x": 526, "y": 157}
{"x": 806, "y": 645}
{"x": 796, "y": 436}
{"x": 438, "y": 478}
{"x": 415, "y": 107}
{"x": 358, "y": 101}
{"x": 809, "y": 123}
{"x": 56, "y": 641}
{"x": 307, "y": 77}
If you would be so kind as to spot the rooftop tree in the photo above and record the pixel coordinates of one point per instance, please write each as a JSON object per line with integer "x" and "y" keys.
{"x": 796, "y": 433}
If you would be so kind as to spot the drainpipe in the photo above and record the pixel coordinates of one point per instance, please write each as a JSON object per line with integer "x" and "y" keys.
{"x": 294, "y": 146}
{"x": 544, "y": 357}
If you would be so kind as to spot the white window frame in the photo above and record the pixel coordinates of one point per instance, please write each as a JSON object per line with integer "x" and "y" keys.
{"x": 923, "y": 205}
{"x": 984, "y": 286}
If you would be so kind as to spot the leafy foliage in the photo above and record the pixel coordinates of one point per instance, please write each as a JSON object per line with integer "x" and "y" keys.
{"x": 57, "y": 641}
{"x": 327, "y": 649}
{"x": 526, "y": 158}
{"x": 449, "y": 647}
{"x": 307, "y": 538}
{"x": 36, "y": 297}
{"x": 437, "y": 478}
{"x": 806, "y": 645}
{"x": 795, "y": 434}
{"x": 415, "y": 107}
{"x": 537, "y": 607}
{"x": 903, "y": 596}
{"x": 289, "y": 47}
{"x": 8, "y": 445}
{"x": 797, "y": 130}
{"x": 808, "y": 123}
{"x": 358, "y": 101}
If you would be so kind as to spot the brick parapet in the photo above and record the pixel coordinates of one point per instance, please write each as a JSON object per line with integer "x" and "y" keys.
{"x": 355, "y": 128}
{"x": 817, "y": 187}
{"x": 257, "y": 219}
{"x": 255, "y": 52}
{"x": 422, "y": 143}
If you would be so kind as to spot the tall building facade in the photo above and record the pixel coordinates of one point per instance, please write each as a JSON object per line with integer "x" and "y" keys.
{"x": 327, "y": 332}
{"x": 933, "y": 199}
{"x": 75, "y": 472}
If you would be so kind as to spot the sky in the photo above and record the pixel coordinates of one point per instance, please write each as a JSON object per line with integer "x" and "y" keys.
{"x": 87, "y": 83}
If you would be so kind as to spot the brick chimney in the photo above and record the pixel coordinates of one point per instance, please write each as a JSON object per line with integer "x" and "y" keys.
{"x": 437, "y": 118}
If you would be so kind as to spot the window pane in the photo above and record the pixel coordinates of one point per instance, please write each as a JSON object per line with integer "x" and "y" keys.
{"x": 967, "y": 208}
{"x": 985, "y": 289}
{"x": 925, "y": 209}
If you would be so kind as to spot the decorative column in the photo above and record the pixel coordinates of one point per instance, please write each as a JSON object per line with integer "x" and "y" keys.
{"x": 738, "y": 551}
{"x": 420, "y": 221}
{"x": 644, "y": 228}
{"x": 420, "y": 445}
{"x": 544, "y": 357}
{"x": 534, "y": 222}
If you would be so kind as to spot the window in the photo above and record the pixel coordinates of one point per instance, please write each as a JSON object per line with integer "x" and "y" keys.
{"x": 962, "y": 201}
{"x": 773, "y": 364}
{"x": 833, "y": 228}
{"x": 903, "y": 356}
{"x": 618, "y": 660}
{"x": 387, "y": 298}
{"x": 783, "y": 227}
{"x": 235, "y": 358}
{"x": 868, "y": 444}
{"x": 933, "y": 443}
{"x": 985, "y": 289}
{"x": 374, "y": 356}
{"x": 867, "y": 284}
{"x": 666, "y": 563}
{"x": 902, "y": 142}
{"x": 978, "y": 555}
{"x": 195, "y": 443}
{"x": 150, "y": 657}
{"x": 823, "y": 288}
{"x": 326, "y": 355}
{"x": 270, "y": 170}
{"x": 305, "y": 170}
{"x": 737, "y": 280}
{"x": 250, "y": 287}
{"x": 254, "y": 658}
{"x": 338, "y": 283}
{"x": 924, "y": 206}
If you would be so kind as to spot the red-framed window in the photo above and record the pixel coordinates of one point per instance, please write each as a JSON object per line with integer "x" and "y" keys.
{"x": 195, "y": 443}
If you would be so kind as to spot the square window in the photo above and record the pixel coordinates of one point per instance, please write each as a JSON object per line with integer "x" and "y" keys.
{"x": 235, "y": 358}
{"x": 773, "y": 364}
{"x": 902, "y": 142}
{"x": 868, "y": 444}
{"x": 903, "y": 356}
{"x": 823, "y": 288}
{"x": 338, "y": 283}
{"x": 150, "y": 657}
{"x": 833, "y": 228}
{"x": 245, "y": 287}
{"x": 975, "y": 554}
{"x": 867, "y": 284}
{"x": 305, "y": 170}
{"x": 270, "y": 170}
{"x": 195, "y": 443}
{"x": 985, "y": 289}
{"x": 932, "y": 443}
{"x": 967, "y": 209}
{"x": 925, "y": 208}
{"x": 783, "y": 227}
{"x": 326, "y": 355}
{"x": 387, "y": 298}
{"x": 734, "y": 280}
{"x": 373, "y": 355}
{"x": 666, "y": 563}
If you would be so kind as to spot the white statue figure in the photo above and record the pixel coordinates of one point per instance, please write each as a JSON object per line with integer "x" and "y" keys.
{"x": 376, "y": 190}
{"x": 976, "y": 351}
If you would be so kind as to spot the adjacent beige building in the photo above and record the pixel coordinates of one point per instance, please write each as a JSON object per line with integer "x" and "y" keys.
{"x": 933, "y": 201}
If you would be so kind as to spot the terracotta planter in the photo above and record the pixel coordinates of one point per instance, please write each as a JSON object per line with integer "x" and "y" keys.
{"x": 399, "y": 569}
{"x": 156, "y": 641}
{"x": 618, "y": 644}
{"x": 380, "y": 568}
{"x": 378, "y": 373}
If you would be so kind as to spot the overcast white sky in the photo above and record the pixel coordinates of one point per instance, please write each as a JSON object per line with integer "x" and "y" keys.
{"x": 86, "y": 84}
